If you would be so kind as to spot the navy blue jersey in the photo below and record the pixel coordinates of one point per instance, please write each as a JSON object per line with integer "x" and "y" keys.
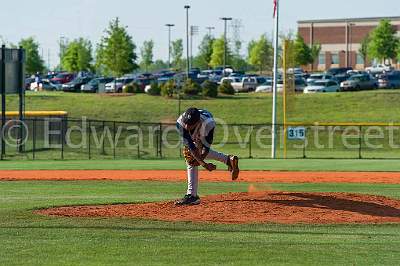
{"x": 203, "y": 133}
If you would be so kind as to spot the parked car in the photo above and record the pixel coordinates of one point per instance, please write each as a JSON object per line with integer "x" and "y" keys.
{"x": 62, "y": 78}
{"x": 93, "y": 85}
{"x": 359, "y": 82}
{"x": 296, "y": 71}
{"x": 117, "y": 85}
{"x": 251, "y": 83}
{"x": 75, "y": 85}
{"x": 342, "y": 77}
{"x": 380, "y": 68}
{"x": 338, "y": 70}
{"x": 389, "y": 80}
{"x": 265, "y": 87}
{"x": 244, "y": 84}
{"x": 44, "y": 85}
{"x": 28, "y": 82}
{"x": 321, "y": 76}
{"x": 144, "y": 81}
{"x": 236, "y": 82}
{"x": 299, "y": 85}
{"x": 322, "y": 86}
{"x": 206, "y": 74}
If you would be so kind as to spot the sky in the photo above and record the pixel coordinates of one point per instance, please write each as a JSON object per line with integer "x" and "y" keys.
{"x": 48, "y": 20}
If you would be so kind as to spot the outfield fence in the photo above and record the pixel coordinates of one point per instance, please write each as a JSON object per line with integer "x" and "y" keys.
{"x": 76, "y": 139}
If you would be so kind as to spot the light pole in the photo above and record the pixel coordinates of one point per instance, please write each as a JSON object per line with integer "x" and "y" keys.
{"x": 62, "y": 49}
{"x": 225, "y": 19}
{"x": 350, "y": 43}
{"x": 187, "y": 7}
{"x": 169, "y": 43}
{"x": 194, "y": 30}
{"x": 210, "y": 29}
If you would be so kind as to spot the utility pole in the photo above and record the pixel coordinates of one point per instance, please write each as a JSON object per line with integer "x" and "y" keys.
{"x": 351, "y": 43}
{"x": 210, "y": 29}
{"x": 225, "y": 19}
{"x": 48, "y": 59}
{"x": 62, "y": 49}
{"x": 169, "y": 43}
{"x": 187, "y": 7}
{"x": 194, "y": 30}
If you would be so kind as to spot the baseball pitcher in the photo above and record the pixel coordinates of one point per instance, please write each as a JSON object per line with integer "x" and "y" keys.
{"x": 197, "y": 130}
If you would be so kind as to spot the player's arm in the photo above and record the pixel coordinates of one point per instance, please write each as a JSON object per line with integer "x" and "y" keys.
{"x": 207, "y": 142}
{"x": 197, "y": 154}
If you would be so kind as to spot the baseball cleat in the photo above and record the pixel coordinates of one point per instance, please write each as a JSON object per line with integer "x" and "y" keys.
{"x": 188, "y": 200}
{"x": 234, "y": 167}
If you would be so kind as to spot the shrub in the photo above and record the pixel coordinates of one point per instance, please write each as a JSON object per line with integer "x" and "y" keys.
{"x": 191, "y": 88}
{"x": 210, "y": 89}
{"x": 132, "y": 88}
{"x": 226, "y": 88}
{"x": 167, "y": 90}
{"x": 155, "y": 89}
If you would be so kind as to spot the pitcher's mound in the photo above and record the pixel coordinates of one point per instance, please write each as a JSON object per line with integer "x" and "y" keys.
{"x": 257, "y": 207}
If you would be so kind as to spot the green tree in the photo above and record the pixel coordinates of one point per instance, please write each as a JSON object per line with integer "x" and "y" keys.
{"x": 260, "y": 54}
{"x": 363, "y": 51}
{"x": 301, "y": 52}
{"x": 315, "y": 51}
{"x": 158, "y": 65}
{"x": 115, "y": 53}
{"x": 384, "y": 43}
{"x": 177, "y": 53}
{"x": 34, "y": 63}
{"x": 78, "y": 56}
{"x": 398, "y": 53}
{"x": 205, "y": 52}
{"x": 147, "y": 54}
{"x": 217, "y": 57}
{"x": 239, "y": 63}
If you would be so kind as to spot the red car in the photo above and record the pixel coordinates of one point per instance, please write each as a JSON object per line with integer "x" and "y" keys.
{"x": 62, "y": 78}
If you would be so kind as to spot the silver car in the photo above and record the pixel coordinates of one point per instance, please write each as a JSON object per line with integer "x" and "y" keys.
{"x": 389, "y": 81}
{"x": 322, "y": 76}
{"x": 359, "y": 82}
{"x": 322, "y": 86}
{"x": 117, "y": 85}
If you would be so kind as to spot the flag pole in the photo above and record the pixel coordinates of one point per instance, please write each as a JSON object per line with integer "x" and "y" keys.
{"x": 275, "y": 79}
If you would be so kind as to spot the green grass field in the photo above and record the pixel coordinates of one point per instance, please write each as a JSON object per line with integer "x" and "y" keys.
{"x": 28, "y": 239}
{"x": 366, "y": 106}
{"x": 251, "y": 164}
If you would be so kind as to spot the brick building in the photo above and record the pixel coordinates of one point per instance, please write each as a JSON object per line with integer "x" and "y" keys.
{"x": 340, "y": 39}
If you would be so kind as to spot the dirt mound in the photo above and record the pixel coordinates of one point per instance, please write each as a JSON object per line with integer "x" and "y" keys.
{"x": 255, "y": 207}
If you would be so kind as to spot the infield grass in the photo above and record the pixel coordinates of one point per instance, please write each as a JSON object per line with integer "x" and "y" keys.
{"x": 247, "y": 164}
{"x": 28, "y": 239}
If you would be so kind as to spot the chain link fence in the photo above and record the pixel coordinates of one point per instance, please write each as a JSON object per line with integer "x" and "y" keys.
{"x": 77, "y": 139}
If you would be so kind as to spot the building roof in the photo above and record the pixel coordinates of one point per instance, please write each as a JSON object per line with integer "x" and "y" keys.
{"x": 367, "y": 19}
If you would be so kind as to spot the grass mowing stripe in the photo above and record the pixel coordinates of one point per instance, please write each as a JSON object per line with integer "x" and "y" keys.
{"x": 254, "y": 164}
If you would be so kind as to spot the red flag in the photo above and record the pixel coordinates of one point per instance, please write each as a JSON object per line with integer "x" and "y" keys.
{"x": 275, "y": 6}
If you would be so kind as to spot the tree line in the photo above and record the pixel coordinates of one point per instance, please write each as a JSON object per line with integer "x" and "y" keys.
{"x": 116, "y": 53}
